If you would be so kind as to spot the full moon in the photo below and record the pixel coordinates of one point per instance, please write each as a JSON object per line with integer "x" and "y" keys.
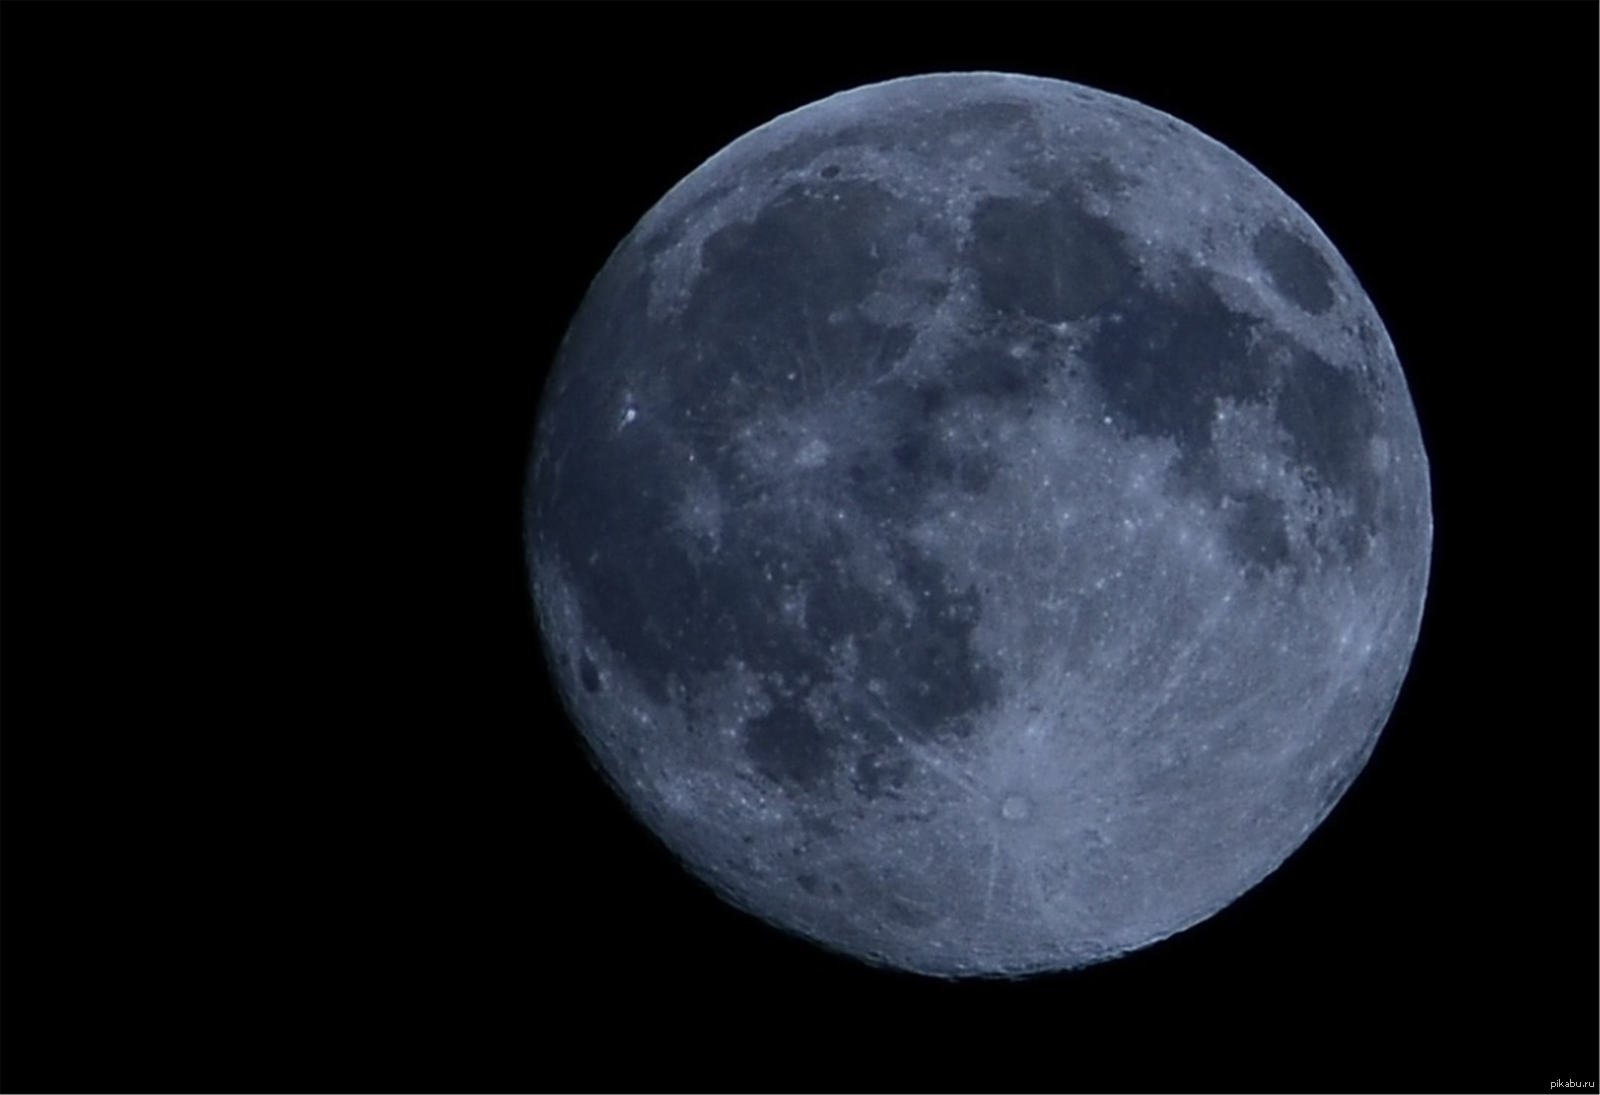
{"x": 978, "y": 523}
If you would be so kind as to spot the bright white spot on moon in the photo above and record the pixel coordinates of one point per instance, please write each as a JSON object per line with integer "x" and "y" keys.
{"x": 1015, "y": 808}
{"x": 812, "y": 454}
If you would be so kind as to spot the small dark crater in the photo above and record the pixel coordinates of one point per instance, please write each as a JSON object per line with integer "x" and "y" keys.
{"x": 787, "y": 746}
{"x": 810, "y": 883}
{"x": 917, "y": 453}
{"x": 932, "y": 398}
{"x": 588, "y": 674}
{"x": 1005, "y": 382}
{"x": 1295, "y": 268}
{"x": 830, "y": 171}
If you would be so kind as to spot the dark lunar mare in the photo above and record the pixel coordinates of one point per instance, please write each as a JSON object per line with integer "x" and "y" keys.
{"x": 787, "y": 285}
{"x": 1162, "y": 359}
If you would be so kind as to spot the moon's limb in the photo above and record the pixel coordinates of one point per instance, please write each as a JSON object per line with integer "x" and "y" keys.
{"x": 979, "y": 523}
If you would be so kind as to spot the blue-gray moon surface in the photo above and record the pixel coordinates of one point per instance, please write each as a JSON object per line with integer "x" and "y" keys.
{"x": 978, "y": 523}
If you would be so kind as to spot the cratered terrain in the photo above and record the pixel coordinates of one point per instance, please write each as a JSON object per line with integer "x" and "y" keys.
{"x": 978, "y": 523}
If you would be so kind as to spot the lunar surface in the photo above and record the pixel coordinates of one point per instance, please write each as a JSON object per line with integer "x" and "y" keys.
{"x": 978, "y": 523}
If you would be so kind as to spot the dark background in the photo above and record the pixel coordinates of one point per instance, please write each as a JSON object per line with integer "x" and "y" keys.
{"x": 287, "y": 802}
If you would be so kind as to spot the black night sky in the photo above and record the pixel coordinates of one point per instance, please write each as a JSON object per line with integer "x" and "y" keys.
{"x": 288, "y": 803}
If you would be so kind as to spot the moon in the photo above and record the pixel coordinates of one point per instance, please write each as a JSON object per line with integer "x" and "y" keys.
{"x": 978, "y": 523}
